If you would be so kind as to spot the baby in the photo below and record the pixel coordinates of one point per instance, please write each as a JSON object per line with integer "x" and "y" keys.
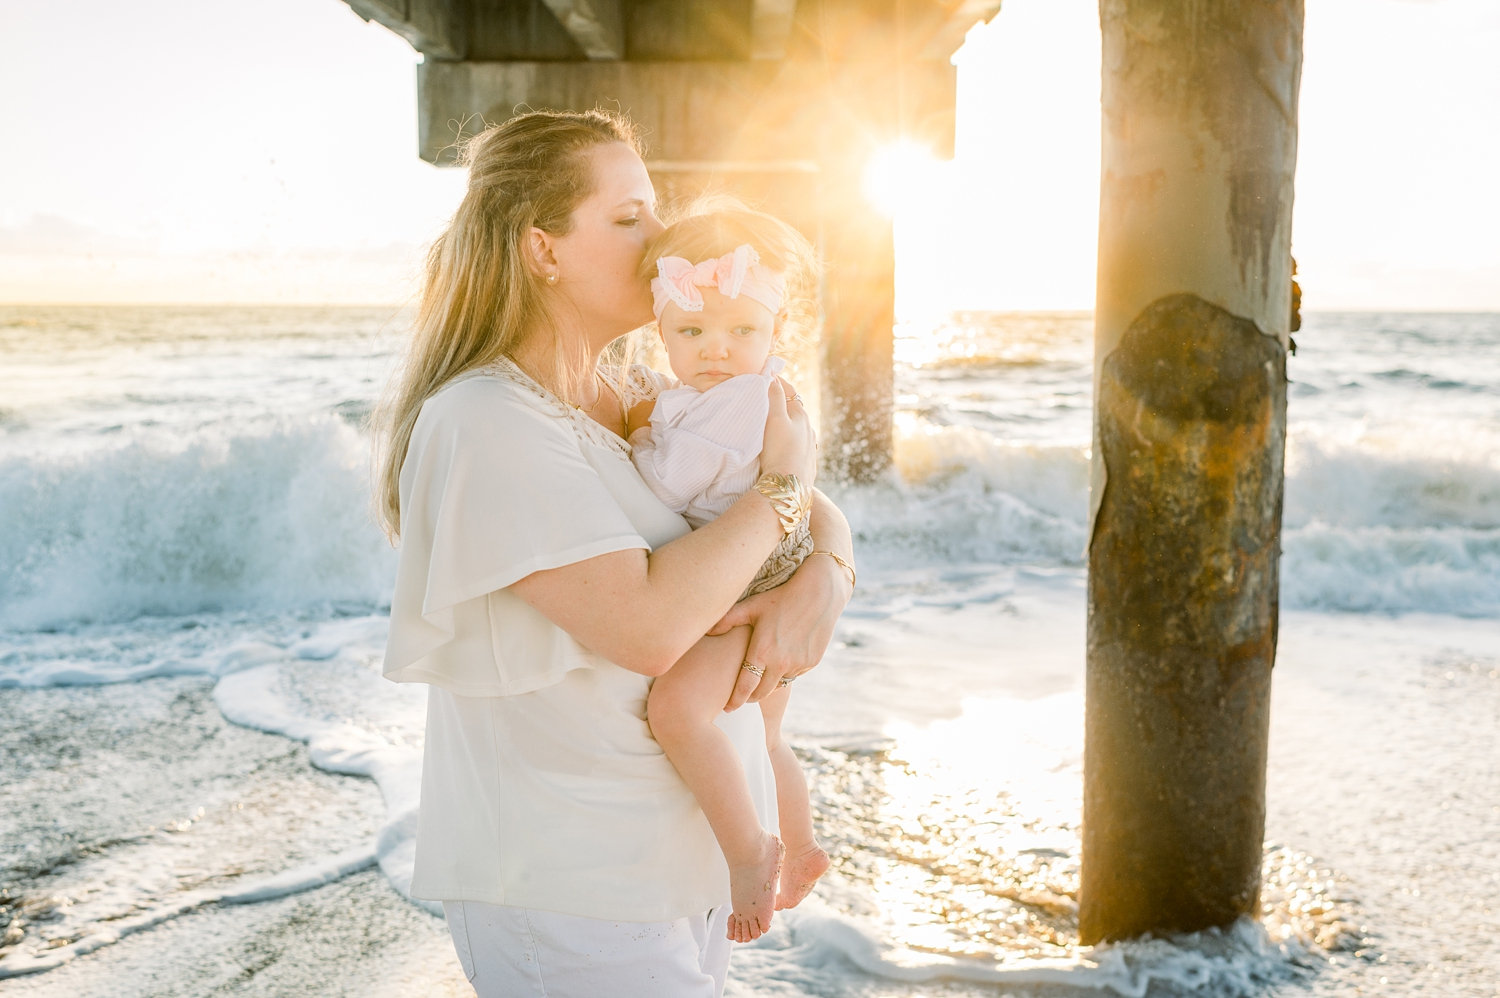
{"x": 722, "y": 307}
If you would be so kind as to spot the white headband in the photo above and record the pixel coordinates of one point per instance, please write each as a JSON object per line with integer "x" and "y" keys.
{"x": 734, "y": 274}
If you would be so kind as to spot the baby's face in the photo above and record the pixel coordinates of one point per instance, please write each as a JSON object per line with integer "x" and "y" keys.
{"x": 730, "y": 336}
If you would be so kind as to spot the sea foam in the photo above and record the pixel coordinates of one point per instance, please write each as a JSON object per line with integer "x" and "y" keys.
{"x": 1392, "y": 487}
{"x": 274, "y": 516}
{"x": 808, "y": 949}
{"x": 265, "y": 516}
{"x": 1387, "y": 526}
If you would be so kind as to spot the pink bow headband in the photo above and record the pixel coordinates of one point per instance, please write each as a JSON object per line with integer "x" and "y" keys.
{"x": 734, "y": 274}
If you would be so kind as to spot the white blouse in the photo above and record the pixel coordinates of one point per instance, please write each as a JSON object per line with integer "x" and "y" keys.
{"x": 541, "y": 784}
{"x": 702, "y": 449}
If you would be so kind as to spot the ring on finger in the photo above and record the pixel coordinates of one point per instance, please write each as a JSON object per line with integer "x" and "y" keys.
{"x": 797, "y": 398}
{"x": 754, "y": 670}
{"x": 784, "y": 682}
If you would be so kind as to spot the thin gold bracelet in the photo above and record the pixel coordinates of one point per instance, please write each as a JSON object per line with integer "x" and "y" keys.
{"x": 841, "y": 563}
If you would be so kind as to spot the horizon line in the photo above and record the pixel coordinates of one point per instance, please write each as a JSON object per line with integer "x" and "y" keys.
{"x": 900, "y": 320}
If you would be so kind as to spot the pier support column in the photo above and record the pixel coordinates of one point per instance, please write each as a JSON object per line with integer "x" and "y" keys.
{"x": 859, "y": 319}
{"x": 1199, "y": 150}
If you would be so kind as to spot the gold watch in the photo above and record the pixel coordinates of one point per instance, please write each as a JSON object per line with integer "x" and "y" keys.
{"x": 790, "y": 498}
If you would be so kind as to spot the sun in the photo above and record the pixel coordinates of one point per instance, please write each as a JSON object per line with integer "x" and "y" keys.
{"x": 896, "y": 172}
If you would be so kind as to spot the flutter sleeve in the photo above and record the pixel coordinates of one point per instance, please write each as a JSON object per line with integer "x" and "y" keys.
{"x": 493, "y": 488}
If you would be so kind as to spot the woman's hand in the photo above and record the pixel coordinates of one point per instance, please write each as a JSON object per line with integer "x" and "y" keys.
{"x": 791, "y": 627}
{"x": 790, "y": 446}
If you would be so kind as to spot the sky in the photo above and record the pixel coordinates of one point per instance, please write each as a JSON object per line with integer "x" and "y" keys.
{"x": 198, "y": 150}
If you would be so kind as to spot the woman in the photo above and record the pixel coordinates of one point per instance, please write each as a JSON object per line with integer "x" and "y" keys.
{"x": 541, "y": 585}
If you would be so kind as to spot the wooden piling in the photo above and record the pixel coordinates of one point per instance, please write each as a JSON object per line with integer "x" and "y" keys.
{"x": 1199, "y": 150}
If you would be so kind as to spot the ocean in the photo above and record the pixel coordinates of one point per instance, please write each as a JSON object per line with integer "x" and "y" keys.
{"x": 208, "y": 788}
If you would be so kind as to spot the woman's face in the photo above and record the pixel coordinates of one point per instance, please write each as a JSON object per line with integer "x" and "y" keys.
{"x": 599, "y": 259}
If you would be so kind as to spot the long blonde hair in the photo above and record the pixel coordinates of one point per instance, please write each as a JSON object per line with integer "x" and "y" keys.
{"x": 479, "y": 297}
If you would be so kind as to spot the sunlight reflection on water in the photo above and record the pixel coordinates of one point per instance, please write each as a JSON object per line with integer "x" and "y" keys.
{"x": 960, "y": 839}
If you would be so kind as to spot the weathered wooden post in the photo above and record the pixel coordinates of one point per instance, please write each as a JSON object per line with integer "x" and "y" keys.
{"x": 1199, "y": 148}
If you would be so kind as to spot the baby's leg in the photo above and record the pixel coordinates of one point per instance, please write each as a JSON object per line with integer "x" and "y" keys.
{"x": 805, "y": 860}
{"x": 681, "y": 710}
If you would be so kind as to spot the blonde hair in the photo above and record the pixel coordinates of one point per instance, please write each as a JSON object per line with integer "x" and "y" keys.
{"x": 713, "y": 226}
{"x": 479, "y": 298}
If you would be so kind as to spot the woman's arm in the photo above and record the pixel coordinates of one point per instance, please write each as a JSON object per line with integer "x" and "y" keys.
{"x": 643, "y": 610}
{"x": 794, "y": 622}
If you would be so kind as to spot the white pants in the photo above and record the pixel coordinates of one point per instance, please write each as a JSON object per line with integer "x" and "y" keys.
{"x": 524, "y": 953}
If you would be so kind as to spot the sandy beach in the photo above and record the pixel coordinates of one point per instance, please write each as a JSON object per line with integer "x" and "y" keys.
{"x": 97, "y": 756}
{"x": 1371, "y": 753}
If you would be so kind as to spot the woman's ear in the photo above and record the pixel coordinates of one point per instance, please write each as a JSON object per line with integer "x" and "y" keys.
{"x": 540, "y": 258}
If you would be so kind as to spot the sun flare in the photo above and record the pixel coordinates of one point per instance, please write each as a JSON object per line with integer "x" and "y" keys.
{"x": 895, "y": 171}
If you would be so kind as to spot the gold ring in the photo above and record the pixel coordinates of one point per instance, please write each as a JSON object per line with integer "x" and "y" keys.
{"x": 784, "y": 682}
{"x": 797, "y": 398}
{"x": 754, "y": 670}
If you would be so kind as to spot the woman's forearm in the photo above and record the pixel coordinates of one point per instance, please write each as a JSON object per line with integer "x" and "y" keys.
{"x": 690, "y": 596}
{"x": 831, "y": 533}
{"x": 695, "y": 579}
{"x": 794, "y": 623}
{"x": 643, "y": 610}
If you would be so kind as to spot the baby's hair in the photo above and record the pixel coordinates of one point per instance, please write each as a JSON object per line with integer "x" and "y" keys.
{"x": 712, "y": 227}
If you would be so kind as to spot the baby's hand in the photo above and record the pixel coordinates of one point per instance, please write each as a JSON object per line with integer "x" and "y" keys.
{"x": 639, "y": 417}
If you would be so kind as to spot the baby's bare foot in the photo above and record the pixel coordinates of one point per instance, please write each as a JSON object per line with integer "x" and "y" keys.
{"x": 752, "y": 892}
{"x": 800, "y": 875}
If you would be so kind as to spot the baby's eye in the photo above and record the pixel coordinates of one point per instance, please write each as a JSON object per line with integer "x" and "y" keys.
{"x": 689, "y": 331}
{"x": 744, "y": 330}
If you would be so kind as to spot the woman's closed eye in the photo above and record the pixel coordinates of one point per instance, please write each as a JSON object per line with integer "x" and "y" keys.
{"x": 638, "y": 217}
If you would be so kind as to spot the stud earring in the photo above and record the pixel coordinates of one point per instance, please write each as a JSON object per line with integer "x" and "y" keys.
{"x": 552, "y": 278}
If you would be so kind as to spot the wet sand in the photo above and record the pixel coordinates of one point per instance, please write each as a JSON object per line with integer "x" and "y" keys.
{"x": 1384, "y": 780}
{"x": 135, "y": 797}
{"x": 1385, "y": 766}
